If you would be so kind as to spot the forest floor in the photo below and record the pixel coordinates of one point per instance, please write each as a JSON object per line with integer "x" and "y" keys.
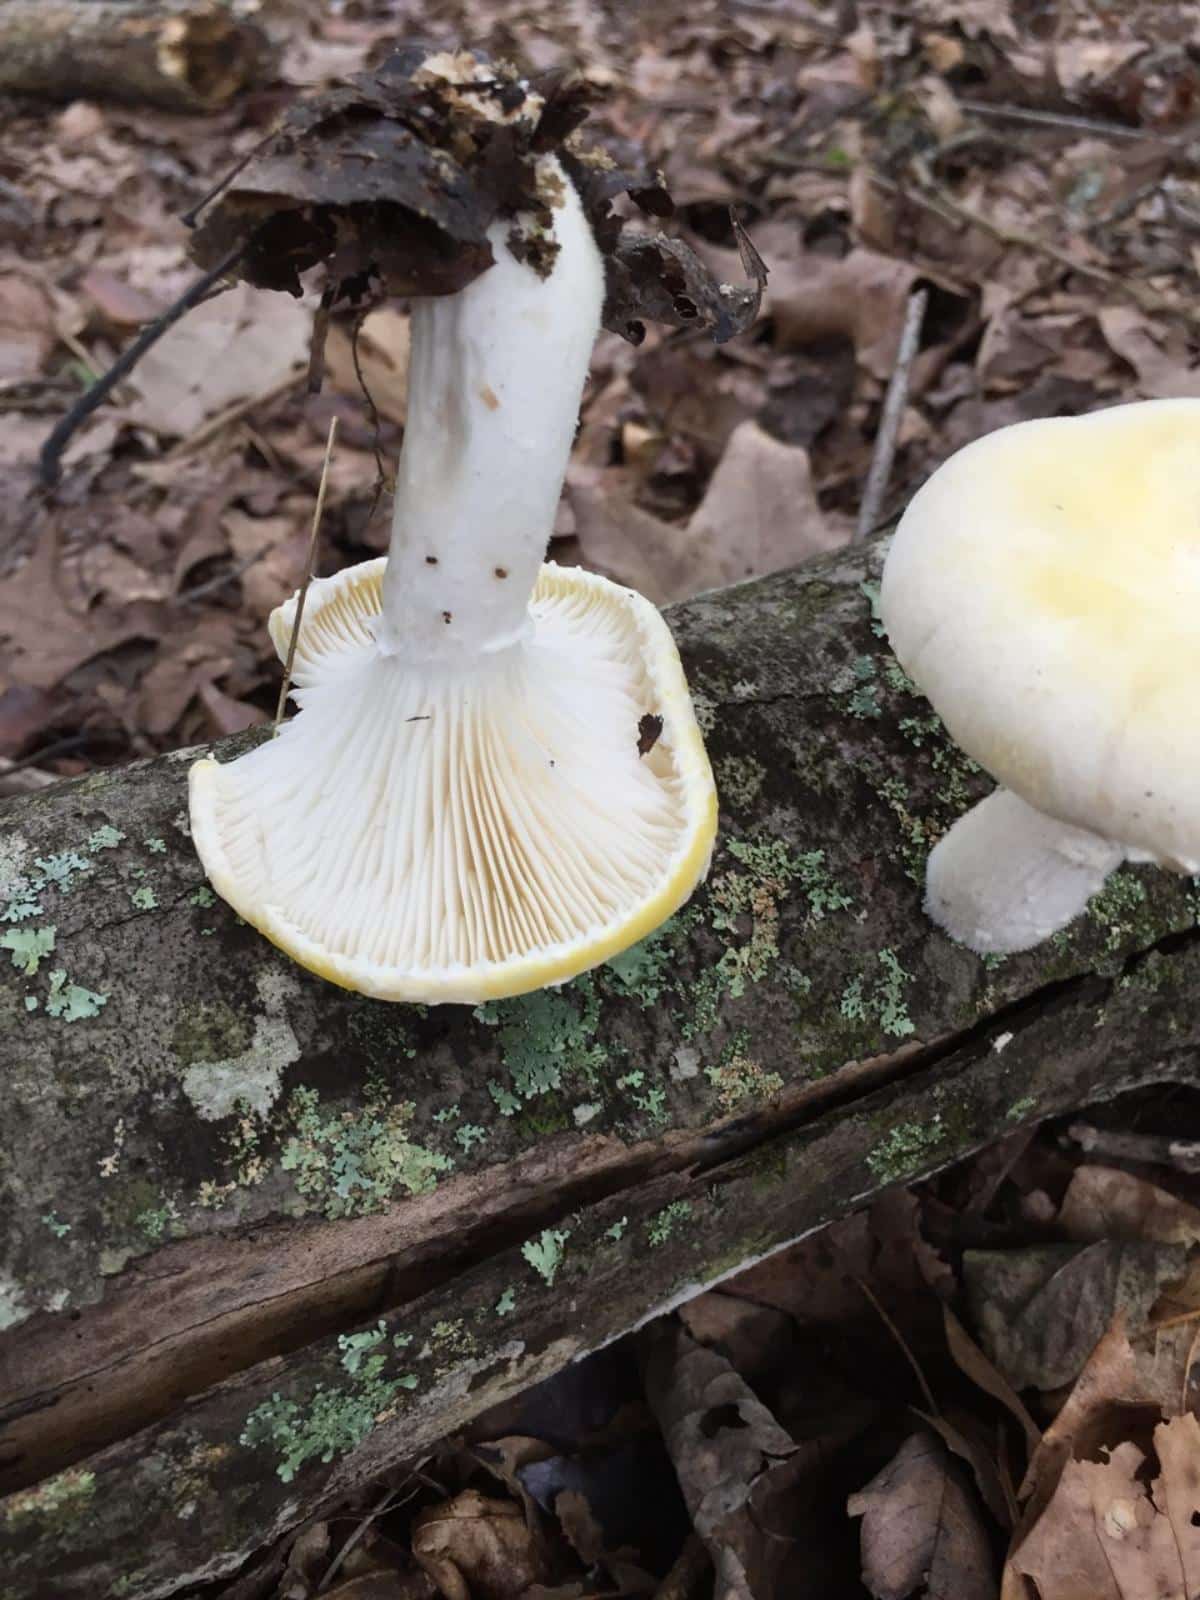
{"x": 1035, "y": 165}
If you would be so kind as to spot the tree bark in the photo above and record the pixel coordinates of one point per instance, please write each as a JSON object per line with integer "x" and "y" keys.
{"x": 264, "y": 1237}
{"x": 184, "y": 55}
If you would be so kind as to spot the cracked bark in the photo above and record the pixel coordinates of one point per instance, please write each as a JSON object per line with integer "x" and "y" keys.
{"x": 264, "y": 1238}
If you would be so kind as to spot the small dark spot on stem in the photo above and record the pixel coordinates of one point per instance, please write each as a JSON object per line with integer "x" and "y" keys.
{"x": 425, "y": 718}
{"x": 431, "y": 561}
{"x": 447, "y": 616}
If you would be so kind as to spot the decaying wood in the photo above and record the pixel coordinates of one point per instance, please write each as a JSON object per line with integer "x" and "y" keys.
{"x": 264, "y": 1237}
{"x": 185, "y": 55}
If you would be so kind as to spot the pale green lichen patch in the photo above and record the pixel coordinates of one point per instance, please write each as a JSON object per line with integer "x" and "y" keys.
{"x": 755, "y": 895}
{"x": 70, "y": 1002}
{"x": 27, "y": 947}
{"x": 155, "y": 845}
{"x": 62, "y": 869}
{"x": 65, "y": 1495}
{"x": 353, "y": 1163}
{"x": 1021, "y": 1108}
{"x": 468, "y": 1136}
{"x": 1121, "y": 910}
{"x": 545, "y": 1039}
{"x": 334, "y": 1420}
{"x": 105, "y": 838}
{"x": 880, "y": 999}
{"x": 57, "y": 1226}
{"x": 649, "y": 967}
{"x": 202, "y": 897}
{"x": 14, "y": 1307}
{"x": 545, "y": 1253}
{"x": 252, "y": 1077}
{"x": 906, "y": 1148}
{"x": 740, "y": 780}
{"x": 143, "y": 898}
{"x": 664, "y": 1223}
{"x": 157, "y": 1221}
{"x": 507, "y": 1302}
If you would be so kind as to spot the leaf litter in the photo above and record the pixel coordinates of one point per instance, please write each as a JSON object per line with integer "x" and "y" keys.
{"x": 984, "y": 1386}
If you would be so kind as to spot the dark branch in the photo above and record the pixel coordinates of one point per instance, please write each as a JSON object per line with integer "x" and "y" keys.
{"x": 51, "y": 456}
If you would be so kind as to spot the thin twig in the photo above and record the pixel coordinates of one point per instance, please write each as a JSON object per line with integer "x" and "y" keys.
{"x": 307, "y": 579}
{"x": 81, "y": 353}
{"x": 335, "y": 1566}
{"x": 1153, "y": 1149}
{"x": 124, "y": 364}
{"x": 189, "y": 217}
{"x": 899, "y": 1338}
{"x": 376, "y": 424}
{"x": 187, "y": 597}
{"x": 232, "y": 413}
{"x": 893, "y": 411}
{"x": 928, "y": 194}
{"x": 1062, "y": 120}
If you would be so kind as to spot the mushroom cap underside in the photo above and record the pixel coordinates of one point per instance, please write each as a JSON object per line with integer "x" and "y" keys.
{"x": 1043, "y": 589}
{"x": 470, "y": 832}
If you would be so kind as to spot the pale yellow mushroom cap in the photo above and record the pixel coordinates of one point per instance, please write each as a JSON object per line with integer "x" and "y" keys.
{"x": 1043, "y": 589}
{"x": 449, "y": 833}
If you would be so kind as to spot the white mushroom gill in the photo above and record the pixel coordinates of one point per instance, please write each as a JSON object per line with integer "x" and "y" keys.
{"x": 464, "y": 807}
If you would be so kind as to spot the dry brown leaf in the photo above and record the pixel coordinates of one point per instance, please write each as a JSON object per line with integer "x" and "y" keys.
{"x": 1103, "y": 1537}
{"x": 969, "y": 1358}
{"x": 277, "y": 547}
{"x": 759, "y": 514}
{"x": 107, "y": 574}
{"x": 475, "y": 1548}
{"x": 119, "y": 302}
{"x": 185, "y": 661}
{"x": 383, "y": 347}
{"x": 922, "y": 1530}
{"x": 26, "y": 326}
{"x": 723, "y": 1443}
{"x": 1040, "y": 1311}
{"x": 46, "y": 627}
{"x": 238, "y": 346}
{"x": 1108, "y": 1380}
{"x": 1107, "y": 1203}
{"x": 862, "y": 297}
{"x": 1158, "y": 355}
{"x": 226, "y": 714}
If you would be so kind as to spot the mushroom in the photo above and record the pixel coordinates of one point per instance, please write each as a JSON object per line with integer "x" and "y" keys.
{"x": 466, "y": 806}
{"x": 1043, "y": 589}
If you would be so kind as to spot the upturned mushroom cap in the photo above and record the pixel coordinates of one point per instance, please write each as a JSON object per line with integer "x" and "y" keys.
{"x": 1043, "y": 589}
{"x": 466, "y": 835}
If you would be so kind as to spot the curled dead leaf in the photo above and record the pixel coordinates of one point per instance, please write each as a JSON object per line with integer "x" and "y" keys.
{"x": 476, "y": 1548}
{"x": 922, "y": 1526}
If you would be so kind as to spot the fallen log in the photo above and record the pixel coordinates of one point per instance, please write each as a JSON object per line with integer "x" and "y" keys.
{"x": 183, "y": 55}
{"x": 264, "y": 1237}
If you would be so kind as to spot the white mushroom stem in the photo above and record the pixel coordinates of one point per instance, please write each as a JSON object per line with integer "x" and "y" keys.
{"x": 495, "y": 379}
{"x": 1006, "y": 877}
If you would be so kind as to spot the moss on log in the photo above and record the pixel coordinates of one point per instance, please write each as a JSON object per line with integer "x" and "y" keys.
{"x": 263, "y": 1237}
